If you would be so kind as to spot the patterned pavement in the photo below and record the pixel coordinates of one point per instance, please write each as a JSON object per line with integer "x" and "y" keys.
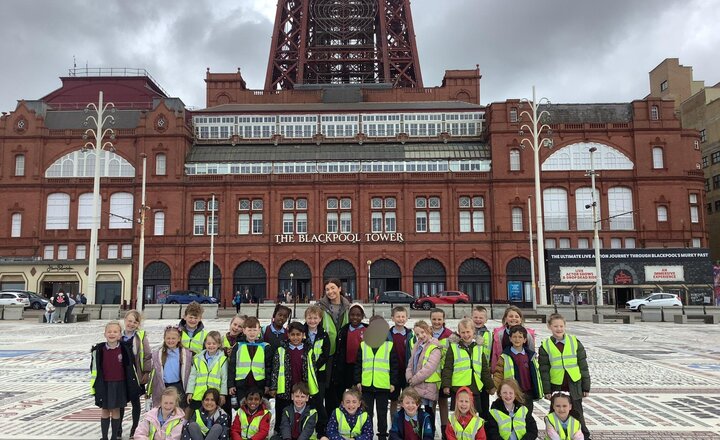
{"x": 650, "y": 380}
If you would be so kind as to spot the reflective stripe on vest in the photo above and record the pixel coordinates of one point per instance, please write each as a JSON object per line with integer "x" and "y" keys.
{"x": 562, "y": 362}
{"x": 313, "y": 436}
{"x": 509, "y": 371}
{"x": 466, "y": 367}
{"x": 207, "y": 378}
{"x": 376, "y": 366}
{"x": 435, "y": 376}
{"x": 196, "y": 343}
{"x": 198, "y": 419}
{"x": 168, "y": 429}
{"x": 331, "y": 329}
{"x": 344, "y": 428}
{"x": 507, "y": 424}
{"x": 470, "y": 431}
{"x": 317, "y": 351}
{"x": 572, "y": 424}
{"x": 312, "y": 379}
{"x": 248, "y": 430}
{"x": 93, "y": 372}
{"x": 141, "y": 349}
{"x": 245, "y": 365}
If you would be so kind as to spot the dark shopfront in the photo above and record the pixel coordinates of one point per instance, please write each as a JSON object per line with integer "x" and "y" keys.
{"x": 628, "y": 274}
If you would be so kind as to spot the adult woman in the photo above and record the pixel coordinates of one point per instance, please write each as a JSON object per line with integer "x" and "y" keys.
{"x": 335, "y": 308}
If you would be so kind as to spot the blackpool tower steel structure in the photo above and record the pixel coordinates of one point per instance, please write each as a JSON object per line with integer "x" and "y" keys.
{"x": 343, "y": 42}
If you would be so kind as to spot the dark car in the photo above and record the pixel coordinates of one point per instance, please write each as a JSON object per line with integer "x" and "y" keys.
{"x": 188, "y": 296}
{"x": 394, "y": 297}
{"x": 37, "y": 302}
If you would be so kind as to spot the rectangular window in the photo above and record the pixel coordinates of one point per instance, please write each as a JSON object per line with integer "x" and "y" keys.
{"x": 16, "y": 225}
{"x": 20, "y": 165}
{"x": 301, "y": 223}
{"x": 288, "y": 223}
{"x": 696, "y": 242}
{"x": 715, "y": 157}
{"x": 199, "y": 224}
{"x": 630, "y": 243}
{"x": 705, "y": 162}
{"x": 550, "y": 243}
{"x": 694, "y": 214}
{"x": 49, "y": 252}
{"x": 159, "y": 223}
{"x": 514, "y": 159}
{"x": 583, "y": 243}
{"x": 564, "y": 243}
{"x": 160, "y": 164}
{"x": 517, "y": 219}
{"x": 126, "y": 251}
{"x": 654, "y": 113}
{"x": 657, "y": 158}
{"x": 332, "y": 223}
{"x": 703, "y": 136}
{"x": 615, "y": 243}
{"x": 478, "y": 221}
{"x": 434, "y": 221}
{"x": 62, "y": 252}
{"x": 465, "y": 221}
{"x": 390, "y": 222}
{"x": 345, "y": 223}
{"x": 257, "y": 223}
{"x": 421, "y": 221}
{"x": 244, "y": 224}
{"x": 513, "y": 114}
{"x": 663, "y": 86}
{"x": 112, "y": 252}
{"x": 377, "y": 221}
{"x": 716, "y": 181}
{"x": 80, "y": 251}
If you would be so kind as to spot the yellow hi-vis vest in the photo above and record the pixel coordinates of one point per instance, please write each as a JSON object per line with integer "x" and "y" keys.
{"x": 573, "y": 426}
{"x": 470, "y": 431}
{"x": 344, "y": 428}
{"x": 329, "y": 326}
{"x": 509, "y": 371}
{"x": 244, "y": 365}
{"x": 311, "y": 413}
{"x": 196, "y": 343}
{"x": 376, "y": 366}
{"x": 248, "y": 430}
{"x": 444, "y": 345}
{"x": 467, "y": 367}
{"x": 283, "y": 376}
{"x": 317, "y": 350}
{"x": 198, "y": 419}
{"x": 435, "y": 376}
{"x": 168, "y": 429}
{"x": 562, "y": 362}
{"x": 207, "y": 378}
{"x": 507, "y": 424}
{"x": 486, "y": 341}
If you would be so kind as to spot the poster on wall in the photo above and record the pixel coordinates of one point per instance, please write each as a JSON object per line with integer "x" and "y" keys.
{"x": 161, "y": 293}
{"x": 664, "y": 273}
{"x": 515, "y": 291}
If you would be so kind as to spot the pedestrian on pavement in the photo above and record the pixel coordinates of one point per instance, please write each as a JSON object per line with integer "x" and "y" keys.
{"x": 71, "y": 305}
{"x": 49, "y": 313}
{"x": 60, "y": 300}
{"x": 237, "y": 301}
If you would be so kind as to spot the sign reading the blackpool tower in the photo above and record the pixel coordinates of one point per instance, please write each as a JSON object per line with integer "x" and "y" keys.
{"x": 394, "y": 237}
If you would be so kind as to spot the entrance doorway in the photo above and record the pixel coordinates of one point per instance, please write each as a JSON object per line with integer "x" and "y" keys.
{"x": 50, "y": 288}
{"x": 623, "y": 295}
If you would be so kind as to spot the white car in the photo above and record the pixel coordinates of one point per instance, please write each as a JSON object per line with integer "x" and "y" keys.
{"x": 14, "y": 298}
{"x": 659, "y": 299}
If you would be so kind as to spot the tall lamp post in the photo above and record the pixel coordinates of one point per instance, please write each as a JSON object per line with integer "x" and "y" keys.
{"x": 596, "y": 235}
{"x": 141, "y": 258}
{"x": 369, "y": 263}
{"x": 212, "y": 229}
{"x": 536, "y": 128}
{"x": 100, "y": 118}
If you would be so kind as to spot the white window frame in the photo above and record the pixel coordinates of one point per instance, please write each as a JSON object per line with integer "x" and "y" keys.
{"x": 112, "y": 252}
{"x": 126, "y": 251}
{"x": 159, "y": 223}
{"x": 80, "y": 252}
{"x": 49, "y": 252}
{"x": 662, "y": 213}
{"x": 16, "y": 221}
{"x": 58, "y": 211}
{"x": 584, "y": 216}
{"x": 658, "y": 158}
{"x": 121, "y": 211}
{"x": 517, "y": 219}
{"x": 62, "y": 252}
{"x": 85, "y": 214}
{"x": 20, "y": 165}
{"x": 555, "y": 207}
{"x": 160, "y": 164}
{"x": 514, "y": 159}
{"x": 620, "y": 208}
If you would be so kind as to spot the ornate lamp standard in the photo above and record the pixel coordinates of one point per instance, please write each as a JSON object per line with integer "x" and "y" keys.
{"x": 369, "y": 263}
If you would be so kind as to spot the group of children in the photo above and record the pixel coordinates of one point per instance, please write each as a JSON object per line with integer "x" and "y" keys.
{"x": 197, "y": 378}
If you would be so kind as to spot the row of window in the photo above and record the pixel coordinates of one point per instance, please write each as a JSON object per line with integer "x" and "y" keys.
{"x": 114, "y": 252}
{"x": 82, "y": 164}
{"x": 715, "y": 183}
{"x": 710, "y": 207}
{"x": 714, "y": 158}
{"x": 587, "y": 243}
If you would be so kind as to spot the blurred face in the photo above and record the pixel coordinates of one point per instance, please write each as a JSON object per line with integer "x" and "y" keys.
{"x": 172, "y": 339}
{"x": 112, "y": 333}
{"x": 410, "y": 406}
{"x": 507, "y": 394}
{"x": 252, "y": 333}
{"x": 313, "y": 320}
{"x": 350, "y": 403}
{"x": 464, "y": 402}
{"x": 332, "y": 291}
{"x": 562, "y": 407}
{"x": 466, "y": 334}
{"x": 437, "y": 320}
{"x": 236, "y": 326}
{"x": 299, "y": 399}
{"x": 280, "y": 318}
{"x": 517, "y": 340}
{"x": 168, "y": 403}
{"x": 211, "y": 345}
{"x": 296, "y": 337}
{"x": 479, "y": 318}
{"x": 513, "y": 318}
{"x": 252, "y": 401}
{"x": 131, "y": 323}
{"x": 192, "y": 320}
{"x": 422, "y": 335}
{"x": 355, "y": 316}
{"x": 399, "y": 318}
{"x": 557, "y": 328}
{"x": 209, "y": 404}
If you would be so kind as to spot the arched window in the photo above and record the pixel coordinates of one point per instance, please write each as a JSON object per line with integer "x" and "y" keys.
{"x": 80, "y": 163}
{"x": 85, "y": 214}
{"x": 16, "y": 225}
{"x": 658, "y": 158}
{"x": 583, "y": 198}
{"x": 517, "y": 219}
{"x": 160, "y": 164}
{"x": 662, "y": 213}
{"x": 556, "y": 209}
{"x": 58, "y": 211}
{"x": 514, "y": 159}
{"x": 121, "y": 211}
{"x": 159, "y": 223}
{"x": 620, "y": 208}
{"x": 576, "y": 157}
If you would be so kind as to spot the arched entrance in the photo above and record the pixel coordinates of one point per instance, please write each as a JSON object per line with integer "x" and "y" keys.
{"x": 156, "y": 282}
{"x": 301, "y": 281}
{"x": 251, "y": 275}
{"x": 198, "y": 279}
{"x": 384, "y": 275}
{"x": 519, "y": 282}
{"x": 428, "y": 277}
{"x": 345, "y": 272}
{"x": 474, "y": 279}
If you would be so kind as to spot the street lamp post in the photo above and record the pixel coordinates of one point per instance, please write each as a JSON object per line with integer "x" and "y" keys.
{"x": 536, "y": 128}
{"x": 100, "y": 119}
{"x": 141, "y": 258}
{"x": 596, "y": 235}
{"x": 532, "y": 257}
{"x": 211, "y": 228}
{"x": 369, "y": 263}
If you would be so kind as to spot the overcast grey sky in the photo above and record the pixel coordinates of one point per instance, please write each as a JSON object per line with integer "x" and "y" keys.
{"x": 572, "y": 50}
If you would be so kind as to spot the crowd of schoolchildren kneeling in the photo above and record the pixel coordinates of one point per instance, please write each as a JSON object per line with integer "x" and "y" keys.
{"x": 329, "y": 383}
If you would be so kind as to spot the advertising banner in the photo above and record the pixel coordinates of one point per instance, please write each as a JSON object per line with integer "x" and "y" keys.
{"x": 664, "y": 273}
{"x": 515, "y": 291}
{"x": 570, "y": 274}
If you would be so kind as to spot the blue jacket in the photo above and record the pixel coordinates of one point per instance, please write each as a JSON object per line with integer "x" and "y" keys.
{"x": 397, "y": 432}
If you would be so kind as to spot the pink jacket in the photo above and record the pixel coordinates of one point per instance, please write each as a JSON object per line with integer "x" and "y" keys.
{"x": 417, "y": 378}
{"x": 497, "y": 348}
{"x": 157, "y": 385}
{"x": 151, "y": 419}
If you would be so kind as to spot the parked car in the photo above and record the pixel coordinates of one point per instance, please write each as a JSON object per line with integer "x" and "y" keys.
{"x": 658, "y": 299}
{"x": 14, "y": 298}
{"x": 444, "y": 297}
{"x": 188, "y": 296}
{"x": 37, "y": 302}
{"x": 394, "y": 297}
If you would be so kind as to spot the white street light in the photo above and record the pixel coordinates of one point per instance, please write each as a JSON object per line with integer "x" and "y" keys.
{"x": 596, "y": 236}
{"x": 369, "y": 263}
{"x": 536, "y": 128}
{"x": 213, "y": 230}
{"x": 532, "y": 256}
{"x": 99, "y": 119}
{"x": 141, "y": 258}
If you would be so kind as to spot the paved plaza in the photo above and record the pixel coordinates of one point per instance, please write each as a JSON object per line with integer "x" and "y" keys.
{"x": 650, "y": 380}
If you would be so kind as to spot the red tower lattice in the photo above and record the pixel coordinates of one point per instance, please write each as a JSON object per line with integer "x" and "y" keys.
{"x": 343, "y": 42}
